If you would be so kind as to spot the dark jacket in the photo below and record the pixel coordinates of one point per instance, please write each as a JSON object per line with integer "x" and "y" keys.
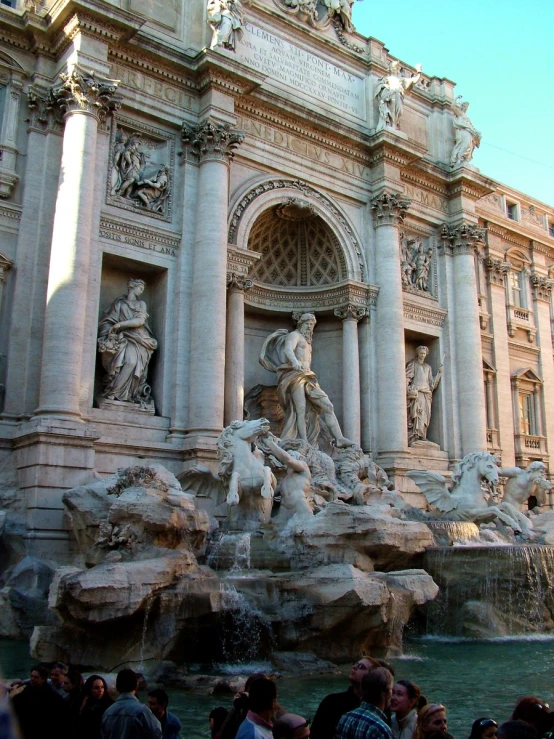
{"x": 129, "y": 719}
{"x": 38, "y": 708}
{"x": 171, "y": 726}
{"x": 89, "y": 723}
{"x": 330, "y": 711}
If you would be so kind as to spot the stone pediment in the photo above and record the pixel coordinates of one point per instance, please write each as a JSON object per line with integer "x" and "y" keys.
{"x": 526, "y": 374}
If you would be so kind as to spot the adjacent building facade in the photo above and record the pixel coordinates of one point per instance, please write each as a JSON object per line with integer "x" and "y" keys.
{"x": 202, "y": 197}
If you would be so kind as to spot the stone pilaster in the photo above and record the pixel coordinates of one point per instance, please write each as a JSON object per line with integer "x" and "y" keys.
{"x": 84, "y": 100}
{"x": 389, "y": 210}
{"x": 497, "y": 274}
{"x": 212, "y": 144}
{"x": 351, "y": 407}
{"x": 541, "y": 287}
{"x": 234, "y": 358}
{"x": 462, "y": 242}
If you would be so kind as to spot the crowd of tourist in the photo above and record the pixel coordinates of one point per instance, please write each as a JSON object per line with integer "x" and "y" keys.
{"x": 374, "y": 706}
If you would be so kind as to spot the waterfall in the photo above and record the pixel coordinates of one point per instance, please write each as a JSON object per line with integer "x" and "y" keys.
{"x": 244, "y": 629}
{"x": 147, "y": 607}
{"x": 491, "y": 591}
{"x": 230, "y": 552}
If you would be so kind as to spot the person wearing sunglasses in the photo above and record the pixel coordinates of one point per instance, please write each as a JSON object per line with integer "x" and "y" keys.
{"x": 483, "y": 728}
{"x": 334, "y": 706}
{"x": 535, "y": 712}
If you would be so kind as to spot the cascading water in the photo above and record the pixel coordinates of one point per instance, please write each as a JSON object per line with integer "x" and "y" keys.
{"x": 244, "y": 631}
{"x": 230, "y": 551}
{"x": 147, "y": 608}
{"x": 491, "y": 591}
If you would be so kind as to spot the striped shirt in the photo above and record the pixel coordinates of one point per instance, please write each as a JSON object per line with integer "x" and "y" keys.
{"x": 365, "y": 722}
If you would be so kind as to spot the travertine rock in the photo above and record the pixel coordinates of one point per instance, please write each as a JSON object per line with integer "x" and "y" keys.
{"x": 23, "y": 600}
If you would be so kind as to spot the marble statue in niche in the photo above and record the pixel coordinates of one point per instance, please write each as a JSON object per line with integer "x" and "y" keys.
{"x": 420, "y": 387}
{"x": 133, "y": 178}
{"x": 466, "y": 137}
{"x": 307, "y": 408}
{"x": 226, "y": 19}
{"x": 390, "y": 93}
{"x": 416, "y": 260}
{"x": 126, "y": 345}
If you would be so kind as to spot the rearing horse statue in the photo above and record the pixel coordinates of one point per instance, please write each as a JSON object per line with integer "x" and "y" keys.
{"x": 466, "y": 500}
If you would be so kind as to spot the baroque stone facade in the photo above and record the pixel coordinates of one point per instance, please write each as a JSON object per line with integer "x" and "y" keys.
{"x": 244, "y": 162}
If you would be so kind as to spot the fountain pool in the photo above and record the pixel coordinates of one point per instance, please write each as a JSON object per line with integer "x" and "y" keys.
{"x": 472, "y": 678}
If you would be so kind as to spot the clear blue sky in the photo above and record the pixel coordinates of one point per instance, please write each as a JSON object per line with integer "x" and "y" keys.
{"x": 500, "y": 54}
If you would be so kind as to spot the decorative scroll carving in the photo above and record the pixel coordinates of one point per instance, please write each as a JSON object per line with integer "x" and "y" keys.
{"x": 212, "y": 140}
{"x": 416, "y": 260}
{"x": 238, "y": 282}
{"x": 541, "y": 286}
{"x": 351, "y": 311}
{"x": 389, "y": 209}
{"x": 464, "y": 239}
{"x": 84, "y": 92}
{"x": 497, "y": 271}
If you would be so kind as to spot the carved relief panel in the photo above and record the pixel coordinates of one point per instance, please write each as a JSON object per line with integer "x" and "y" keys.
{"x": 141, "y": 167}
{"x": 418, "y": 265}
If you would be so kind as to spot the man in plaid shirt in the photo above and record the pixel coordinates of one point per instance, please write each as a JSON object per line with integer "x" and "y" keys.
{"x": 369, "y": 721}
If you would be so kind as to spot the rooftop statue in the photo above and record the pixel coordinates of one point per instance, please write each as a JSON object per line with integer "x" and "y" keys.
{"x": 390, "y": 93}
{"x": 466, "y": 500}
{"x": 226, "y": 19}
{"x": 466, "y": 136}
{"x": 306, "y": 406}
{"x": 420, "y": 387}
{"x": 342, "y": 9}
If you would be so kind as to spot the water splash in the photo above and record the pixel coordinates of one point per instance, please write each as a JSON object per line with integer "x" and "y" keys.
{"x": 491, "y": 591}
{"x": 244, "y": 631}
{"x": 230, "y": 551}
{"x": 242, "y": 553}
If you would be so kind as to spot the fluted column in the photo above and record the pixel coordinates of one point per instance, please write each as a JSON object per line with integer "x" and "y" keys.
{"x": 351, "y": 402}
{"x": 462, "y": 242}
{"x": 212, "y": 143}
{"x": 234, "y": 355}
{"x": 84, "y": 99}
{"x": 388, "y": 213}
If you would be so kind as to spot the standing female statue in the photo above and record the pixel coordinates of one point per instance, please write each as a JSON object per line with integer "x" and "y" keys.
{"x": 466, "y": 137}
{"x": 126, "y": 344}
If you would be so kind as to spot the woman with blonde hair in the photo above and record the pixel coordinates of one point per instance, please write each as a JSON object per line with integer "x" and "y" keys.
{"x": 430, "y": 718}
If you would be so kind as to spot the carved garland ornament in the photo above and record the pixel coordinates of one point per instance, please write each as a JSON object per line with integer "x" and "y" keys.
{"x": 304, "y": 188}
{"x": 212, "y": 140}
{"x": 351, "y": 312}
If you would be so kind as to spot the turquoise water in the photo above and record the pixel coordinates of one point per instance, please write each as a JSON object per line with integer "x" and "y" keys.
{"x": 472, "y": 678}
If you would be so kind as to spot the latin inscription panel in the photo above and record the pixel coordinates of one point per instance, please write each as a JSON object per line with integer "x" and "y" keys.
{"x": 312, "y": 75}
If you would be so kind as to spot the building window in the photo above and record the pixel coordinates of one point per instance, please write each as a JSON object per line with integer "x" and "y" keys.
{"x": 551, "y": 229}
{"x": 518, "y": 291}
{"x": 527, "y": 415}
{"x": 511, "y": 211}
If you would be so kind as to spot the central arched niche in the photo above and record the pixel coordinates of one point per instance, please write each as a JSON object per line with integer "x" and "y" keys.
{"x": 299, "y": 253}
{"x": 298, "y": 249}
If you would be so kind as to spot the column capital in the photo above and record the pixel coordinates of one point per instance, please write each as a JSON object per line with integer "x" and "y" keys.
{"x": 85, "y": 92}
{"x": 389, "y": 209}
{"x": 497, "y": 271}
{"x": 211, "y": 140}
{"x": 238, "y": 282}
{"x": 44, "y": 114}
{"x": 466, "y": 238}
{"x": 541, "y": 286}
{"x": 351, "y": 312}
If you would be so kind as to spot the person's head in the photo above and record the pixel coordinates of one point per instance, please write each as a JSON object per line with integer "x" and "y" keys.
{"x": 57, "y": 673}
{"x": 536, "y": 470}
{"x": 422, "y": 352}
{"x": 126, "y": 681}
{"x": 217, "y": 717}
{"x": 291, "y": 726}
{"x": 262, "y": 695}
{"x": 95, "y": 687}
{"x": 360, "y": 668}
{"x": 157, "y": 702}
{"x": 386, "y": 665}
{"x": 405, "y": 697}
{"x": 39, "y": 676}
{"x": 483, "y": 728}
{"x": 73, "y": 681}
{"x": 516, "y": 730}
{"x": 376, "y": 687}
{"x": 431, "y": 717}
{"x": 136, "y": 285}
{"x": 306, "y": 324}
{"x": 534, "y": 712}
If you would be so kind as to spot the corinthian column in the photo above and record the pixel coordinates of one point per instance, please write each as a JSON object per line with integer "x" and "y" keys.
{"x": 462, "y": 242}
{"x": 84, "y": 99}
{"x": 234, "y": 359}
{"x": 389, "y": 210}
{"x": 351, "y": 413}
{"x": 213, "y": 144}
